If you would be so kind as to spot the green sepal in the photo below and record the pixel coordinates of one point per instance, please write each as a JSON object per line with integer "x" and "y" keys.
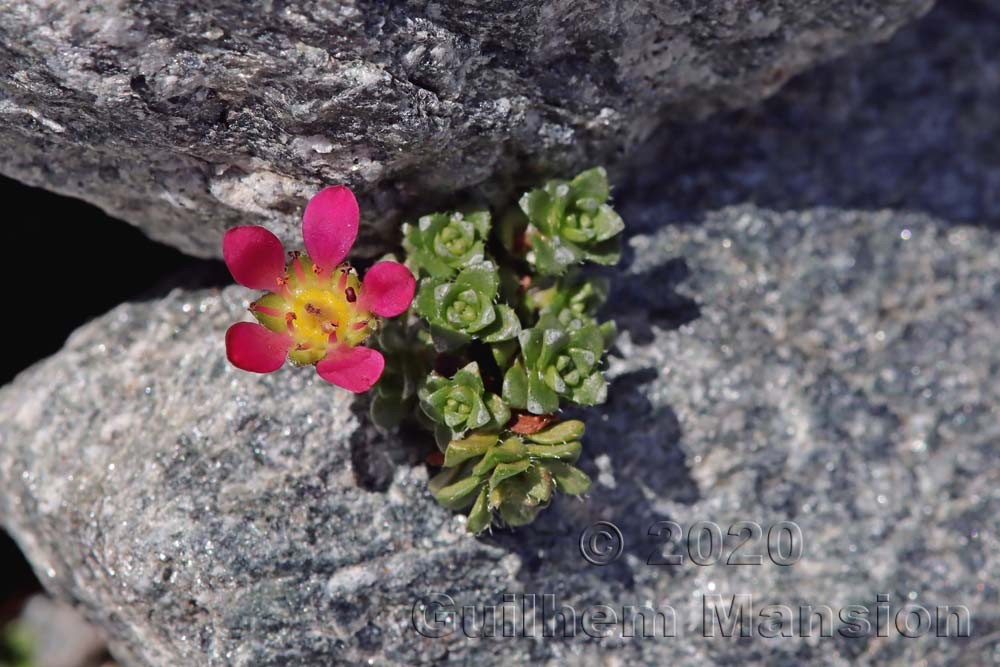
{"x": 273, "y": 302}
{"x": 306, "y": 357}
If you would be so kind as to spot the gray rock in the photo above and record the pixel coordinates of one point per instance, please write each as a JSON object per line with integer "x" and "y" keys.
{"x": 910, "y": 124}
{"x": 185, "y": 120}
{"x": 202, "y": 515}
{"x": 831, "y": 368}
{"x": 60, "y": 638}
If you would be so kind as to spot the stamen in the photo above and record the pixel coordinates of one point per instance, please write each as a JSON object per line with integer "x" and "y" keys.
{"x": 343, "y": 278}
{"x": 328, "y": 327}
{"x": 283, "y": 285}
{"x": 303, "y": 346}
{"x": 300, "y": 275}
{"x": 352, "y": 296}
{"x": 312, "y": 310}
{"x": 358, "y": 326}
{"x": 290, "y": 321}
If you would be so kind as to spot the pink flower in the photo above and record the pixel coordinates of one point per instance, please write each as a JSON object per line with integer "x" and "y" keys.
{"x": 315, "y": 309}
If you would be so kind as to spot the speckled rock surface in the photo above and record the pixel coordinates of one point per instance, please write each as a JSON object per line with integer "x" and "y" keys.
{"x": 202, "y": 515}
{"x": 831, "y": 368}
{"x": 910, "y": 124}
{"x": 185, "y": 120}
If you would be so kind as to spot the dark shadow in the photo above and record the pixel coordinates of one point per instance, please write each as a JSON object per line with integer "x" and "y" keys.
{"x": 73, "y": 263}
{"x": 637, "y": 308}
{"x": 18, "y": 582}
{"x": 376, "y": 453}
{"x": 909, "y": 124}
{"x": 637, "y": 442}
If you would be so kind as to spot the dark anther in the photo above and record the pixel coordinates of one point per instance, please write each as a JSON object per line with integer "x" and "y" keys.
{"x": 351, "y": 295}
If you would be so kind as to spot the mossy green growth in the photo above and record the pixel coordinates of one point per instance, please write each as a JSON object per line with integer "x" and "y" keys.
{"x": 570, "y": 222}
{"x": 503, "y": 334}
{"x": 511, "y": 477}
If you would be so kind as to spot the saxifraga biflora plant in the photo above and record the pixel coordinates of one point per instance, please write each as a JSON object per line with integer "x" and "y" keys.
{"x": 501, "y": 335}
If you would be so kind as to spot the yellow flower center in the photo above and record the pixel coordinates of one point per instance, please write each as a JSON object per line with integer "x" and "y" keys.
{"x": 318, "y": 309}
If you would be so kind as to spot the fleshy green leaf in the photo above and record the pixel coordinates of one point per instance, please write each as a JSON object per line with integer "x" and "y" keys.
{"x": 515, "y": 387}
{"x": 591, "y": 184}
{"x": 481, "y": 278}
{"x": 504, "y": 471}
{"x": 498, "y": 409}
{"x": 540, "y": 482}
{"x": 388, "y": 412}
{"x": 505, "y": 327}
{"x": 511, "y": 449}
{"x": 458, "y": 495}
{"x": 475, "y": 444}
{"x": 569, "y": 451}
{"x": 569, "y": 479}
{"x": 503, "y": 352}
{"x": 480, "y": 515}
{"x": 560, "y": 432}
{"x": 541, "y": 399}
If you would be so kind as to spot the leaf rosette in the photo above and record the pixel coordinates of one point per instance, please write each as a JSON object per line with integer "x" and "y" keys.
{"x": 441, "y": 244}
{"x": 465, "y": 308}
{"x": 556, "y": 363}
{"x": 570, "y": 222}
{"x": 513, "y": 477}
{"x": 461, "y": 403}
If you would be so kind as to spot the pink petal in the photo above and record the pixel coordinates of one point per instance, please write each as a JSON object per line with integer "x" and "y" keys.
{"x": 252, "y": 347}
{"x": 330, "y": 225}
{"x": 388, "y": 289}
{"x": 254, "y": 256}
{"x": 353, "y": 368}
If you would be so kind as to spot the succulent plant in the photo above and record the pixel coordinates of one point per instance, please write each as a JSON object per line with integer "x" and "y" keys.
{"x": 570, "y": 222}
{"x": 504, "y": 310}
{"x": 441, "y": 244}
{"x": 573, "y": 301}
{"x": 408, "y": 359}
{"x": 502, "y": 329}
{"x": 555, "y": 363}
{"x": 465, "y": 307}
{"x": 514, "y": 477}
{"x": 462, "y": 403}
